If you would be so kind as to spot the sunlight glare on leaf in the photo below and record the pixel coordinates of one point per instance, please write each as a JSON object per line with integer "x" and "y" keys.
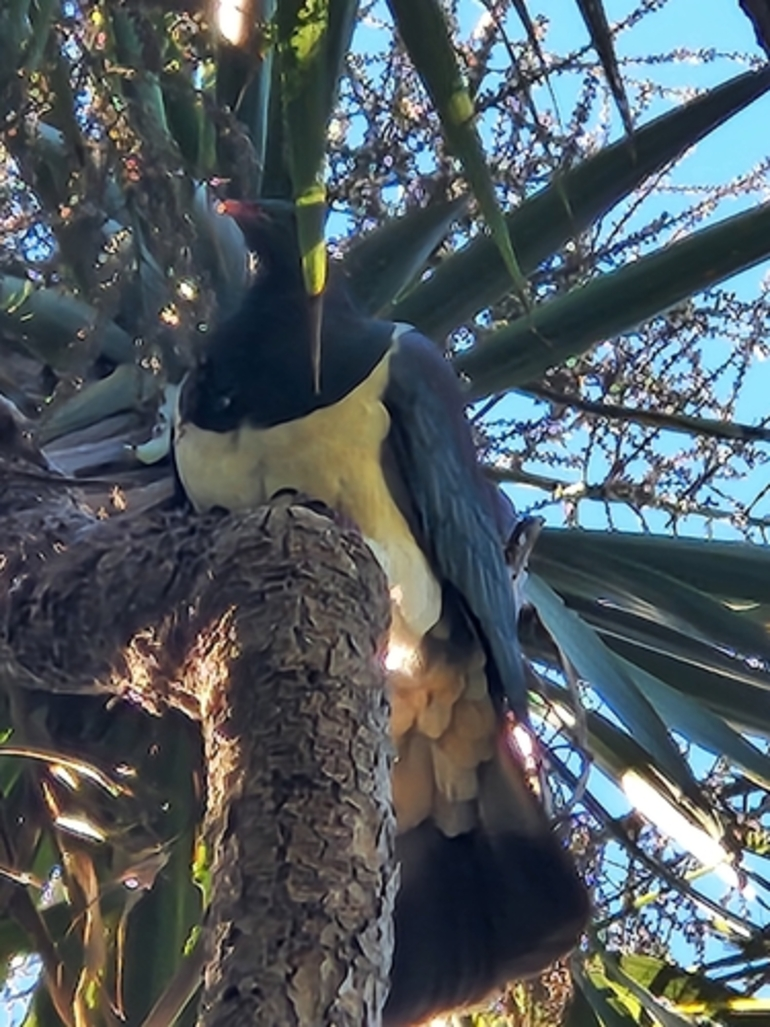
{"x": 231, "y": 21}
{"x": 59, "y": 763}
{"x": 668, "y": 820}
{"x": 82, "y": 827}
{"x": 65, "y": 775}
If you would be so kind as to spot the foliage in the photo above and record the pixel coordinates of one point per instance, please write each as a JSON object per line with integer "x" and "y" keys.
{"x": 653, "y": 652}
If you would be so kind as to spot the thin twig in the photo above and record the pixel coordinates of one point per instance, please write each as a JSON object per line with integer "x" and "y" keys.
{"x": 655, "y": 418}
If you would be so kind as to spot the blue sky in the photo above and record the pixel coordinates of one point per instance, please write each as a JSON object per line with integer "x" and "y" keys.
{"x": 734, "y": 149}
{"x": 720, "y": 42}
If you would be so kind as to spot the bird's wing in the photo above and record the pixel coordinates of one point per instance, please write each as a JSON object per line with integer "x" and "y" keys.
{"x": 459, "y": 515}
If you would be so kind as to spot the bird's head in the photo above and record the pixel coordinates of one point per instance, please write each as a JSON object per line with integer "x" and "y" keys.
{"x": 256, "y": 366}
{"x": 269, "y": 230}
{"x": 257, "y": 357}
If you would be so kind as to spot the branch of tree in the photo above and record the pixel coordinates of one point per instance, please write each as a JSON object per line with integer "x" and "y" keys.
{"x": 265, "y": 628}
{"x": 638, "y": 495}
{"x": 705, "y": 426}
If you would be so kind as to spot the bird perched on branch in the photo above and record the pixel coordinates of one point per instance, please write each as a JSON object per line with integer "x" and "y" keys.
{"x": 487, "y": 891}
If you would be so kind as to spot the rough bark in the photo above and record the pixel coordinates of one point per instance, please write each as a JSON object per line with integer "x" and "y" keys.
{"x": 299, "y": 818}
{"x": 265, "y": 627}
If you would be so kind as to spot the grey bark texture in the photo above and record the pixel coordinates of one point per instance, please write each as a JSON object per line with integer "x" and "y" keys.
{"x": 299, "y": 820}
{"x": 268, "y": 629}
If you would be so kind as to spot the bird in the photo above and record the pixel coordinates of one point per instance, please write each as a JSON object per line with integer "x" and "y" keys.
{"x": 378, "y": 433}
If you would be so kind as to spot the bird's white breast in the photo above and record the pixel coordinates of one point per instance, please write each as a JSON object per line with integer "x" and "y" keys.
{"x": 334, "y": 454}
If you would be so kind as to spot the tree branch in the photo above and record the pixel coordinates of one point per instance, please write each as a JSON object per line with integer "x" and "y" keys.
{"x": 636, "y": 495}
{"x": 654, "y": 418}
{"x": 265, "y": 628}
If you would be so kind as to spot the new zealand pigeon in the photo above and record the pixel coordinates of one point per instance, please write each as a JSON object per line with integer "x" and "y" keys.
{"x": 487, "y": 892}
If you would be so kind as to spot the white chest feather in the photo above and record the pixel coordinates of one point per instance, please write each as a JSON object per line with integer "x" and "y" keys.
{"x": 333, "y": 454}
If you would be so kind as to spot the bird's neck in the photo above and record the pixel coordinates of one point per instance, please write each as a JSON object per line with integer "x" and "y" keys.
{"x": 270, "y": 336}
{"x": 260, "y": 358}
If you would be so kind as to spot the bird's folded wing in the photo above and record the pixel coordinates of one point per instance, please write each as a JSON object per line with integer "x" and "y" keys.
{"x": 452, "y": 502}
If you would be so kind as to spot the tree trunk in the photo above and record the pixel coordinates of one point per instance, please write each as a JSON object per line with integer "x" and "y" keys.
{"x": 299, "y": 821}
{"x": 265, "y": 627}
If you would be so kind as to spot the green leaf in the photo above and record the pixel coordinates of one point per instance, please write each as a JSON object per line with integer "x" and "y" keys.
{"x": 15, "y": 32}
{"x": 144, "y": 87}
{"x": 619, "y": 302}
{"x": 181, "y": 989}
{"x": 602, "y": 998}
{"x": 613, "y": 749}
{"x": 738, "y": 702}
{"x": 13, "y": 942}
{"x": 682, "y": 987}
{"x": 183, "y": 113}
{"x": 534, "y": 41}
{"x": 649, "y": 592}
{"x": 313, "y": 38}
{"x": 381, "y": 264}
{"x": 303, "y": 27}
{"x": 244, "y": 82}
{"x": 55, "y": 326}
{"x": 701, "y": 725}
{"x": 594, "y": 662}
{"x": 222, "y": 250}
{"x": 255, "y": 104}
{"x": 423, "y": 28}
{"x": 10, "y": 771}
{"x": 731, "y": 570}
{"x": 474, "y": 277}
{"x": 615, "y": 752}
{"x": 189, "y": 121}
{"x": 580, "y": 1013}
{"x": 699, "y": 690}
{"x": 160, "y": 925}
{"x": 42, "y": 12}
{"x": 275, "y": 180}
{"x": 662, "y": 1013}
{"x": 616, "y": 623}
{"x": 601, "y": 37}
{"x": 129, "y": 387}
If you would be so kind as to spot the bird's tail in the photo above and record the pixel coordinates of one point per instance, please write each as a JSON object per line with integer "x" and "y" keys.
{"x": 475, "y": 911}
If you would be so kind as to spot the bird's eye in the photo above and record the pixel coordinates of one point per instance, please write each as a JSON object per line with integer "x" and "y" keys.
{"x": 223, "y": 402}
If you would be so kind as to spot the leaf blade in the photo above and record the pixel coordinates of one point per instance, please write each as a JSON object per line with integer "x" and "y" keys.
{"x": 475, "y": 276}
{"x": 598, "y": 27}
{"x": 597, "y": 665}
{"x": 616, "y": 303}
{"x": 382, "y": 263}
{"x": 424, "y": 31}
